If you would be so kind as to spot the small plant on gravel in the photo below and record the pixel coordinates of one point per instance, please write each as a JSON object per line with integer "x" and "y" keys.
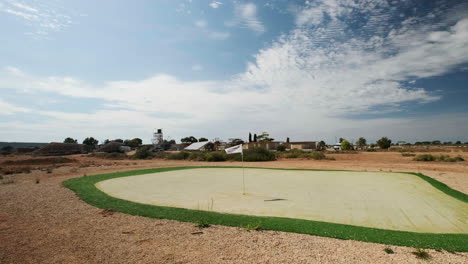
{"x": 202, "y": 224}
{"x": 422, "y": 254}
{"x": 49, "y": 169}
{"x": 389, "y": 250}
{"x": 253, "y": 227}
{"x": 38, "y": 181}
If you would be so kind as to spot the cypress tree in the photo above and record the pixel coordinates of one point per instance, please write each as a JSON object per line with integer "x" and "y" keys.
{"x": 255, "y": 138}
{"x": 250, "y": 137}
{"x": 287, "y": 140}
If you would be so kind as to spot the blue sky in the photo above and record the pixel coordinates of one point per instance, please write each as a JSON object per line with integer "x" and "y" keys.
{"x": 308, "y": 70}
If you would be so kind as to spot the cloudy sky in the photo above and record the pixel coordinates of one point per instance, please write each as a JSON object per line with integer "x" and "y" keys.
{"x": 308, "y": 70}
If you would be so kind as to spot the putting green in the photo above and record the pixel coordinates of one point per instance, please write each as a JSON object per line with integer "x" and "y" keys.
{"x": 395, "y": 201}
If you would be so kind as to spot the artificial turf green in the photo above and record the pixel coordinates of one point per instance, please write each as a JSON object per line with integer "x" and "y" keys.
{"x": 85, "y": 188}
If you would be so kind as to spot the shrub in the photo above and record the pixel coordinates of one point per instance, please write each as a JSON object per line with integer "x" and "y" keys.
{"x": 408, "y": 154}
{"x": 258, "y": 154}
{"x": 429, "y": 157}
{"x": 281, "y": 148}
{"x": 159, "y": 155}
{"x": 345, "y": 145}
{"x": 182, "y": 155}
{"x": 111, "y": 147}
{"x": 424, "y": 157}
{"x": 388, "y": 250}
{"x": 371, "y": 150}
{"x": 142, "y": 153}
{"x": 113, "y": 155}
{"x": 253, "y": 227}
{"x": 421, "y": 254}
{"x": 216, "y": 156}
{"x": 6, "y": 150}
{"x": 317, "y": 155}
{"x": 197, "y": 156}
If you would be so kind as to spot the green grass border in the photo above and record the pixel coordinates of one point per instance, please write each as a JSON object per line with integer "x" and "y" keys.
{"x": 85, "y": 188}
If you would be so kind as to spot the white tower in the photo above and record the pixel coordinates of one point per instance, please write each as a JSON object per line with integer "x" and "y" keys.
{"x": 157, "y": 137}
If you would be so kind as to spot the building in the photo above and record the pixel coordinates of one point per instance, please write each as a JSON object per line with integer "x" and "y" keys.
{"x": 266, "y": 145}
{"x": 200, "y": 146}
{"x": 303, "y": 145}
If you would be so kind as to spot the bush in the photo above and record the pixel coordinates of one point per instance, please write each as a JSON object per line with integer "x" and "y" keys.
{"x": 142, "y": 153}
{"x": 113, "y": 155}
{"x": 429, "y": 157}
{"x": 197, "y": 156}
{"x": 182, "y": 155}
{"x": 408, "y": 154}
{"x": 258, "y": 154}
{"x": 159, "y": 155}
{"x": 216, "y": 156}
{"x": 7, "y": 150}
{"x": 371, "y": 150}
{"x": 281, "y": 148}
{"x": 424, "y": 157}
{"x": 111, "y": 147}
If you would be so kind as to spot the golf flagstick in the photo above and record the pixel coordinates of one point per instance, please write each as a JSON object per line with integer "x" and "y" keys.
{"x": 243, "y": 174}
{"x": 238, "y": 149}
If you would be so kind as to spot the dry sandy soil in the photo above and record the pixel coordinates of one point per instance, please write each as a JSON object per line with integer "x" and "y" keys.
{"x": 47, "y": 223}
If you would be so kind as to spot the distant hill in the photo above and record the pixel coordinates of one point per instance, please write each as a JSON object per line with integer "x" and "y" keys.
{"x": 22, "y": 144}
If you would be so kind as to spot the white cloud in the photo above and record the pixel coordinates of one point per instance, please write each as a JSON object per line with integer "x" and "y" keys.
{"x": 43, "y": 18}
{"x": 246, "y": 15}
{"x": 215, "y": 4}
{"x": 9, "y": 109}
{"x": 305, "y": 85}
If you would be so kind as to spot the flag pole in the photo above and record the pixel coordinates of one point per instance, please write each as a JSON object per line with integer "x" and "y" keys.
{"x": 243, "y": 175}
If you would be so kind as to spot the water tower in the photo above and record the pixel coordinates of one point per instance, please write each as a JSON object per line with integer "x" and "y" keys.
{"x": 157, "y": 137}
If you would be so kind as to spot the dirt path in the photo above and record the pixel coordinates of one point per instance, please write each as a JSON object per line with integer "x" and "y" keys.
{"x": 47, "y": 223}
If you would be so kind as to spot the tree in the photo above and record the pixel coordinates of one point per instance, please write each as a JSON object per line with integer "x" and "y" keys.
{"x": 70, "y": 140}
{"x": 287, "y": 140}
{"x": 210, "y": 146}
{"x": 321, "y": 145}
{"x": 345, "y": 145}
{"x": 235, "y": 141}
{"x": 202, "y": 139}
{"x": 133, "y": 143}
{"x": 362, "y": 142}
{"x": 264, "y": 137}
{"x": 458, "y": 142}
{"x": 167, "y": 144}
{"x": 90, "y": 141}
{"x": 384, "y": 143}
{"x": 118, "y": 140}
{"x": 341, "y": 139}
{"x": 190, "y": 139}
{"x": 255, "y": 138}
{"x": 106, "y": 141}
{"x": 250, "y": 137}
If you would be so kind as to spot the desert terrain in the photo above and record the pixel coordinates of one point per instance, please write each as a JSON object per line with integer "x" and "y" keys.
{"x": 41, "y": 221}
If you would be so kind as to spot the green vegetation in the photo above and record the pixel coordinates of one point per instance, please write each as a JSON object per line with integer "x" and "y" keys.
{"x": 85, "y": 188}
{"x": 190, "y": 139}
{"x": 202, "y": 224}
{"x": 70, "y": 140}
{"x": 6, "y": 150}
{"x": 362, "y": 142}
{"x": 301, "y": 154}
{"x": 182, "y": 155}
{"x": 143, "y": 153}
{"x": 216, "y": 156}
{"x": 384, "y": 143}
{"x": 90, "y": 141}
{"x": 389, "y": 250}
{"x": 281, "y": 148}
{"x": 345, "y": 145}
{"x": 257, "y": 154}
{"x": 405, "y": 154}
{"x": 253, "y": 227}
{"x": 133, "y": 143}
{"x": 421, "y": 254}
{"x": 113, "y": 155}
{"x": 445, "y": 158}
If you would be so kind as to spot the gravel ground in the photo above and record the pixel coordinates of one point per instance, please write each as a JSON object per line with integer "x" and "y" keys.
{"x": 47, "y": 223}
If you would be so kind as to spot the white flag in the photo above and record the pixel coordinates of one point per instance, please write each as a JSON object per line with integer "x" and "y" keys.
{"x": 235, "y": 149}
